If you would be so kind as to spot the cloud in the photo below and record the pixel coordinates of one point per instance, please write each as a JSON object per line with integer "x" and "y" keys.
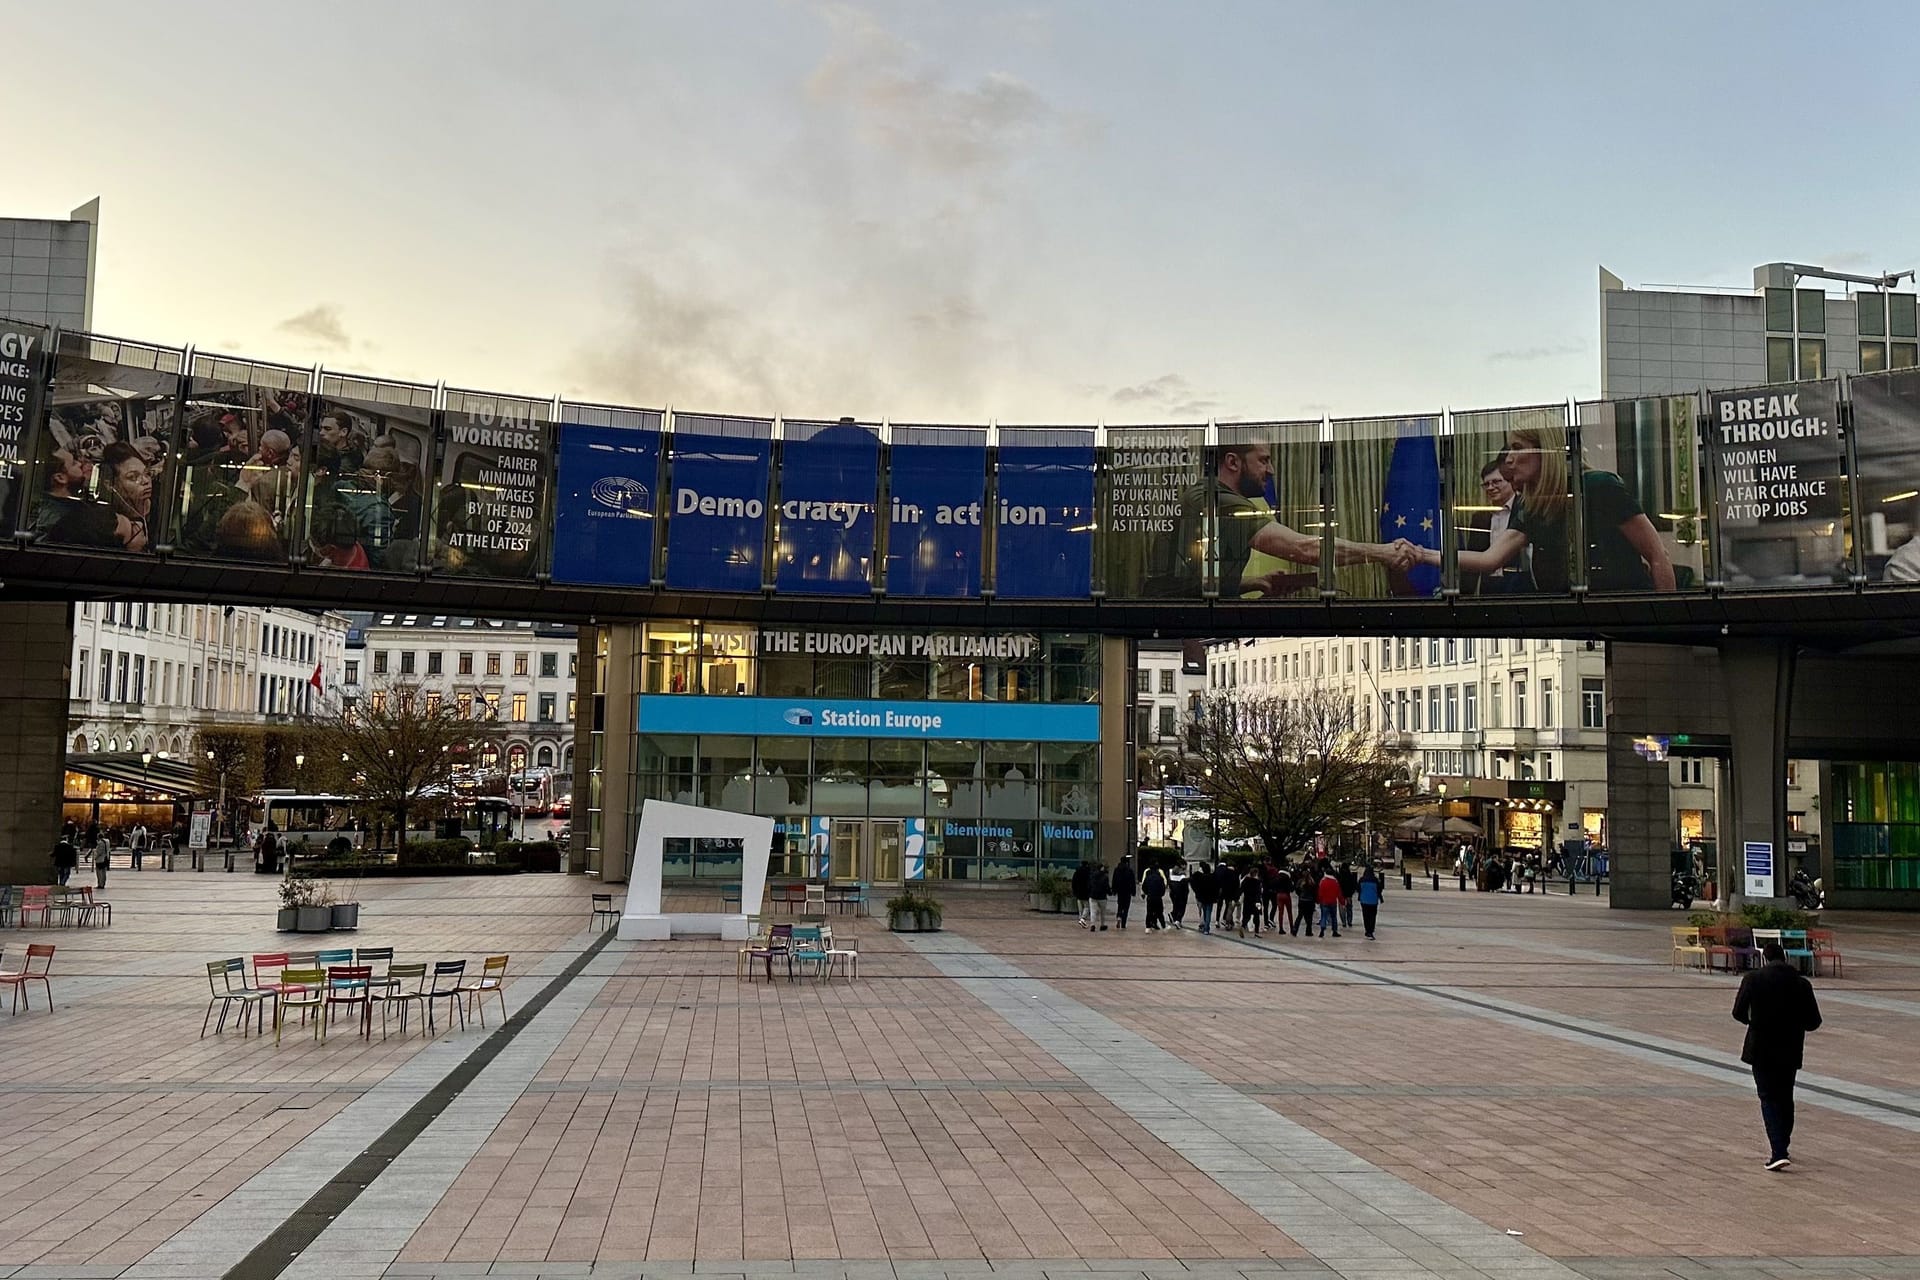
{"x": 1846, "y": 259}
{"x": 320, "y": 325}
{"x": 1167, "y": 394}
{"x": 912, "y": 109}
{"x": 1524, "y": 354}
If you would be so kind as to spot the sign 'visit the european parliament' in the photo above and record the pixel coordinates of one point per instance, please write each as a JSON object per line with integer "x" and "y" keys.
{"x": 133, "y": 450}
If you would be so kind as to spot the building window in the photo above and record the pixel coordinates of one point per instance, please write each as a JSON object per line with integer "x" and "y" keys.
{"x": 1414, "y": 718}
{"x": 549, "y": 666}
{"x": 546, "y": 708}
{"x": 1872, "y": 311}
{"x": 1470, "y": 708}
{"x": 353, "y": 672}
{"x": 379, "y": 701}
{"x": 1546, "y": 763}
{"x": 1433, "y": 651}
{"x": 81, "y": 670}
{"x": 1166, "y": 722}
{"x": 464, "y": 665}
{"x": 1903, "y": 355}
{"x": 1386, "y": 654}
{"x": 1779, "y": 359}
{"x": 1547, "y": 706}
{"x": 1495, "y": 713}
{"x": 1873, "y": 357}
{"x": 519, "y": 706}
{"x": 1166, "y": 680}
{"x": 1493, "y": 648}
{"x": 1593, "y": 703}
{"x": 1453, "y": 708}
{"x": 379, "y": 662}
{"x": 1813, "y": 358}
{"x": 1143, "y": 681}
{"x": 463, "y": 703}
{"x": 126, "y": 689}
{"x": 490, "y": 704}
{"x": 1813, "y": 310}
{"x": 570, "y": 698}
{"x": 520, "y": 664}
{"x": 573, "y": 665}
{"x": 493, "y": 664}
{"x": 433, "y": 662}
{"x": 1901, "y": 321}
{"x": 1779, "y": 311}
{"x": 1519, "y": 702}
{"x": 1692, "y": 771}
{"x": 406, "y": 662}
{"x": 433, "y": 702}
{"x": 1433, "y": 708}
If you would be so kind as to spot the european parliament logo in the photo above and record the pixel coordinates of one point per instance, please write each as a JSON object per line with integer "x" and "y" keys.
{"x": 798, "y": 717}
{"x": 623, "y": 495}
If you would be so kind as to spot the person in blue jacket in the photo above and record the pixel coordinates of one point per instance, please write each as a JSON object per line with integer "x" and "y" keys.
{"x": 1370, "y": 890}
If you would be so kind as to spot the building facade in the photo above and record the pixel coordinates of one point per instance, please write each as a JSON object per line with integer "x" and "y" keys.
{"x": 145, "y": 676}
{"x": 46, "y": 268}
{"x": 517, "y": 675}
{"x": 887, "y": 757}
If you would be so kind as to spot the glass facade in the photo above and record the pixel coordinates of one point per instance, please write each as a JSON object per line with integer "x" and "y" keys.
{"x": 839, "y": 737}
{"x": 1876, "y": 833}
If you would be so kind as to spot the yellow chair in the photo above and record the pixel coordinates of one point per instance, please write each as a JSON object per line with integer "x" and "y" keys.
{"x": 301, "y": 989}
{"x": 493, "y": 975}
{"x": 1688, "y": 950}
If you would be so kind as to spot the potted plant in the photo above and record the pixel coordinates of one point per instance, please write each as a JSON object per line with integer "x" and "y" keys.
{"x": 1051, "y": 889}
{"x": 294, "y": 894}
{"x": 912, "y": 912}
{"x": 346, "y": 915}
{"x": 316, "y": 911}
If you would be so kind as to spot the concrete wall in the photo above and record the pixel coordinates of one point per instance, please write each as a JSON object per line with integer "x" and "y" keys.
{"x": 36, "y": 641}
{"x": 44, "y": 271}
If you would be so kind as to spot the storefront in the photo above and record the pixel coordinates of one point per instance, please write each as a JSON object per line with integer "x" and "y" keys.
{"x": 883, "y": 756}
{"x": 120, "y": 791}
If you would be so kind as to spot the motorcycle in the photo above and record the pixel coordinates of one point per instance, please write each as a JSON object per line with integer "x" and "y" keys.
{"x": 1806, "y": 892}
{"x": 1686, "y": 887}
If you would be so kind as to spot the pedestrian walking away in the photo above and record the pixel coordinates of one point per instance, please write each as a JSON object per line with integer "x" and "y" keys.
{"x": 1776, "y": 1003}
{"x": 1177, "y": 888}
{"x": 1328, "y": 892}
{"x": 1097, "y": 890}
{"x": 1081, "y": 874}
{"x": 1226, "y": 891}
{"x": 64, "y": 859}
{"x": 1282, "y": 917}
{"x": 1154, "y": 883}
{"x": 1349, "y": 885}
{"x": 1203, "y": 889}
{"x": 1370, "y": 890}
{"x": 102, "y": 859}
{"x": 1306, "y": 891}
{"x": 1125, "y": 881}
{"x": 1251, "y": 893}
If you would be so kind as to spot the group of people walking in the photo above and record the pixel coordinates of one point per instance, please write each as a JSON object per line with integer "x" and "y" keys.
{"x": 1281, "y": 896}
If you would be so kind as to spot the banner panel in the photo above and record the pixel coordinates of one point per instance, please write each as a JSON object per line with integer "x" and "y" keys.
{"x": 1513, "y": 501}
{"x": 1886, "y": 433}
{"x": 106, "y": 447}
{"x": 1267, "y": 517}
{"x": 603, "y": 525}
{"x": 1776, "y": 454}
{"x": 1386, "y": 506}
{"x": 937, "y": 494}
{"x": 21, "y": 349}
{"x": 246, "y": 426}
{"x": 1646, "y": 529}
{"x": 366, "y": 491}
{"x": 496, "y": 479}
{"x": 717, "y": 528}
{"x": 1158, "y": 512}
{"x": 868, "y": 718}
{"x": 1043, "y": 531}
{"x": 829, "y": 483}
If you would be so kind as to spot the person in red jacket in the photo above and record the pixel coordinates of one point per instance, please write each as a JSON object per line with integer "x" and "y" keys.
{"x": 1327, "y": 894}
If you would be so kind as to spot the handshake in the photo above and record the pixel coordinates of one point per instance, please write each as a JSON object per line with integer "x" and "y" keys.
{"x": 1401, "y": 555}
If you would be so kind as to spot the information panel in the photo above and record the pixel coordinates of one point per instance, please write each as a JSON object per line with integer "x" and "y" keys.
{"x": 604, "y": 515}
{"x": 718, "y": 524}
{"x": 1776, "y": 452}
{"x": 869, "y": 718}
{"x": 1043, "y": 534}
{"x": 937, "y": 496}
{"x": 829, "y": 479}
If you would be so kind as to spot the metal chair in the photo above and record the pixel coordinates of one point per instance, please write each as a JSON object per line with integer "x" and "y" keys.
{"x": 446, "y": 986}
{"x": 394, "y": 991}
{"x": 809, "y": 947}
{"x": 603, "y": 906}
{"x": 493, "y": 973}
{"x": 19, "y": 978}
{"x": 350, "y": 985}
{"x": 220, "y": 976}
{"x": 302, "y": 989}
{"x": 778, "y": 942}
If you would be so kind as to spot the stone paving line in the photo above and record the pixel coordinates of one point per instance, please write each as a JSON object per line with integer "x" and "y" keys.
{"x": 219, "y": 1239}
{"x": 1892, "y": 1107}
{"x": 1355, "y": 1218}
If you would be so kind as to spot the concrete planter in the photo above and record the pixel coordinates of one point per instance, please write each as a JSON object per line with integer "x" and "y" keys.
{"x": 346, "y": 915}
{"x": 315, "y": 919}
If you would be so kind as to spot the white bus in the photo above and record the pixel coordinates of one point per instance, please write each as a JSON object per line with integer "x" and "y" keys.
{"x": 531, "y": 792}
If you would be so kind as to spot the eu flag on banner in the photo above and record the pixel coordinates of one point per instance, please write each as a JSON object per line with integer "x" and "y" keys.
{"x": 1410, "y": 507}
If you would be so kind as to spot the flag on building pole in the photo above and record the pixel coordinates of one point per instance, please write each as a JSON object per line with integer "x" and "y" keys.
{"x": 314, "y": 679}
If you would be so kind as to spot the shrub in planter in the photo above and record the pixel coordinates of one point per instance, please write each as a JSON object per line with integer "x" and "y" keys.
{"x": 1051, "y": 889}
{"x": 912, "y": 912}
{"x": 435, "y": 853}
{"x": 1758, "y": 915}
{"x": 295, "y": 892}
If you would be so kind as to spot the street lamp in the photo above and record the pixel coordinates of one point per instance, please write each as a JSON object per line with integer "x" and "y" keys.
{"x": 300, "y": 767}
{"x": 219, "y": 805}
{"x": 1213, "y": 816}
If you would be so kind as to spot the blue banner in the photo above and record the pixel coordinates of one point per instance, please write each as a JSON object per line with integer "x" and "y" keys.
{"x": 868, "y": 718}
{"x": 1410, "y": 504}
{"x": 603, "y": 522}
{"x": 719, "y": 515}
{"x": 828, "y": 483}
{"x": 1044, "y": 533}
{"x": 937, "y": 494}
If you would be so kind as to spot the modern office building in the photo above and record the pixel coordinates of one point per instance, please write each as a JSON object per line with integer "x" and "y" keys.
{"x": 517, "y": 675}
{"x": 888, "y": 757}
{"x": 46, "y": 267}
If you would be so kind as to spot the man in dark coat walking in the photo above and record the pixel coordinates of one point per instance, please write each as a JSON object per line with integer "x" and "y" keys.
{"x": 1776, "y": 1003}
{"x": 1082, "y": 875}
{"x": 1124, "y": 883}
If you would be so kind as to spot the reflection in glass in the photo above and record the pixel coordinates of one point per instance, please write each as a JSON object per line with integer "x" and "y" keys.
{"x": 1649, "y": 446}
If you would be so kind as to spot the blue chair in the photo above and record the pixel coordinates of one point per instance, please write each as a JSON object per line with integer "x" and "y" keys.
{"x": 809, "y": 947}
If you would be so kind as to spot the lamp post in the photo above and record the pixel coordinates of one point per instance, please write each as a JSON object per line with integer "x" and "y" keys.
{"x": 219, "y": 805}
{"x": 300, "y": 768}
{"x": 1213, "y": 817}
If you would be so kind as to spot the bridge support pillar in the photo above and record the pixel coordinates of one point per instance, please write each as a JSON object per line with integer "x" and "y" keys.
{"x": 36, "y": 648}
{"x": 1758, "y": 678}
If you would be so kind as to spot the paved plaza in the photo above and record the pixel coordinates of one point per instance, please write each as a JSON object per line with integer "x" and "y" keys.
{"x": 1501, "y": 1086}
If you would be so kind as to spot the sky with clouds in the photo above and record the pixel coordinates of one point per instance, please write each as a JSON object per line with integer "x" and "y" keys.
{"x": 953, "y": 212}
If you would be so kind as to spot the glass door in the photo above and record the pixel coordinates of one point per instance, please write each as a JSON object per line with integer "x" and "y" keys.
{"x": 886, "y": 847}
{"x": 846, "y": 849}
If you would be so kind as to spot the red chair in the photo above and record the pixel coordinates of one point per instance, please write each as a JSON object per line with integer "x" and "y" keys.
{"x": 349, "y": 984}
{"x": 18, "y": 980}
{"x": 779, "y": 943}
{"x": 36, "y": 897}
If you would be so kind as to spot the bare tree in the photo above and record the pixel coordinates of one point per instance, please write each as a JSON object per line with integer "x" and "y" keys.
{"x": 398, "y": 748}
{"x": 1288, "y": 769}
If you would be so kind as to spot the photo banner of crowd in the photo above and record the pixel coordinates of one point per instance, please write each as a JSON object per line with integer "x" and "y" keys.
{"x": 125, "y": 448}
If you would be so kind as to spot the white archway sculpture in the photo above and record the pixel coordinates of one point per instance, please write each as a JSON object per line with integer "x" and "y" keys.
{"x": 660, "y": 820}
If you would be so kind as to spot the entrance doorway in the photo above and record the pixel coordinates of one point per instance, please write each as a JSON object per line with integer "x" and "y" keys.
{"x": 869, "y": 849}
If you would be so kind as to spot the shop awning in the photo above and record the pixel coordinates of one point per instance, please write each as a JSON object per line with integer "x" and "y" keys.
{"x": 169, "y": 776}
